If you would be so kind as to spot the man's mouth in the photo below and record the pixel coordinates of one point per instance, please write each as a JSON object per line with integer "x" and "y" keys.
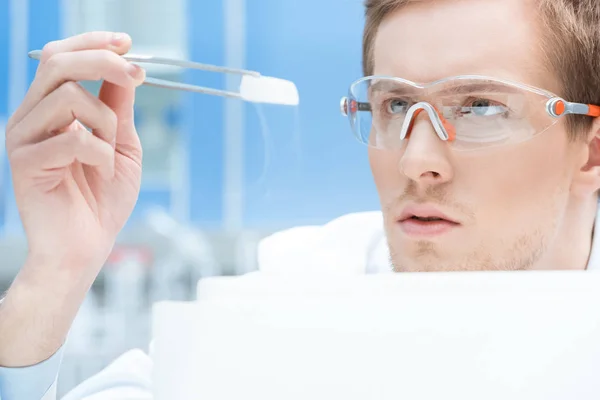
{"x": 425, "y": 221}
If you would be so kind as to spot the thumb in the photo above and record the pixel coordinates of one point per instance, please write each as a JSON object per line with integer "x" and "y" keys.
{"x": 121, "y": 100}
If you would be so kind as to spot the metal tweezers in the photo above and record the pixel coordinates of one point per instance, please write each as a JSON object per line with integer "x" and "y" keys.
{"x": 162, "y": 83}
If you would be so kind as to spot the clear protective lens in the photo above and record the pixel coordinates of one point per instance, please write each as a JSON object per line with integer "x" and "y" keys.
{"x": 483, "y": 112}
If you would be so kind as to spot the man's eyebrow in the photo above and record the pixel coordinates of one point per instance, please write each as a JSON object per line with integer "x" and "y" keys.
{"x": 457, "y": 89}
{"x": 481, "y": 87}
{"x": 392, "y": 87}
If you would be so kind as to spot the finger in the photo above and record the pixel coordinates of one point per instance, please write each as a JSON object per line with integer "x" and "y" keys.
{"x": 119, "y": 43}
{"x": 62, "y": 150}
{"x": 66, "y": 104}
{"x": 121, "y": 101}
{"x": 86, "y": 65}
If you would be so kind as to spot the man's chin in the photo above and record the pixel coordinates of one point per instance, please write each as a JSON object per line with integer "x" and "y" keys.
{"x": 429, "y": 256}
{"x": 432, "y": 266}
{"x": 431, "y": 263}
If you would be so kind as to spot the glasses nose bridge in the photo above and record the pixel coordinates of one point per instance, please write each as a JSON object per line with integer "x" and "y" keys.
{"x": 426, "y": 94}
{"x": 444, "y": 130}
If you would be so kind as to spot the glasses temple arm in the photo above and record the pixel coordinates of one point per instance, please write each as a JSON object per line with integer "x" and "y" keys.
{"x": 558, "y": 107}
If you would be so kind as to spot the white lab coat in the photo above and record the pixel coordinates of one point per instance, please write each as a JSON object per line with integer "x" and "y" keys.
{"x": 352, "y": 244}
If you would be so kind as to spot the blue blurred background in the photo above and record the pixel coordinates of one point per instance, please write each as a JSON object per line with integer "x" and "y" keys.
{"x": 219, "y": 175}
{"x": 209, "y": 161}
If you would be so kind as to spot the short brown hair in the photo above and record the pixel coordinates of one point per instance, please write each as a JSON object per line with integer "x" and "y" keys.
{"x": 571, "y": 43}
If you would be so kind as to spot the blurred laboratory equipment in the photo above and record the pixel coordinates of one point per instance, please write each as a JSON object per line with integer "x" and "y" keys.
{"x": 189, "y": 258}
{"x": 158, "y": 259}
{"x": 487, "y": 335}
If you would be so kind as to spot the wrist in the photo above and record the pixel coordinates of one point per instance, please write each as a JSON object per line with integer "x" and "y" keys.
{"x": 63, "y": 269}
{"x": 31, "y": 330}
{"x": 40, "y": 306}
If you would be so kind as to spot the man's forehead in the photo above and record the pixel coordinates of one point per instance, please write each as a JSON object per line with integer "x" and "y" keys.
{"x": 427, "y": 41}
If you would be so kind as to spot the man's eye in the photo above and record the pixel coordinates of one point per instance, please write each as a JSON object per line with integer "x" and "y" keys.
{"x": 397, "y": 106}
{"x": 484, "y": 108}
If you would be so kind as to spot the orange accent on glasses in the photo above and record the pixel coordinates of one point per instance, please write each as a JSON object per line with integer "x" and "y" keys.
{"x": 450, "y": 130}
{"x": 559, "y": 107}
{"x": 353, "y": 107}
{"x": 594, "y": 111}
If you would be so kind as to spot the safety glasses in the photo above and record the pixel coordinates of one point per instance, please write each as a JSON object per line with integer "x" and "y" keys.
{"x": 469, "y": 112}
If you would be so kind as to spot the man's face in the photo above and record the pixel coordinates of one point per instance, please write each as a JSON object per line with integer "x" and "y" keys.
{"x": 509, "y": 202}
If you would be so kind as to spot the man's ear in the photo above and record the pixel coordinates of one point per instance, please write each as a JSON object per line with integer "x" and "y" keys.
{"x": 587, "y": 180}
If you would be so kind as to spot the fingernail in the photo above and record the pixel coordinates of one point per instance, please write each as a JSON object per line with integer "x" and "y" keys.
{"x": 135, "y": 71}
{"x": 118, "y": 39}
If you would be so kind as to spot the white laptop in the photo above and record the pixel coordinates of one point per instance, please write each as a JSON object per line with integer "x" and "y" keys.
{"x": 518, "y": 335}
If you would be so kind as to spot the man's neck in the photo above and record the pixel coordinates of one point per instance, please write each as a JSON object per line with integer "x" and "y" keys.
{"x": 573, "y": 245}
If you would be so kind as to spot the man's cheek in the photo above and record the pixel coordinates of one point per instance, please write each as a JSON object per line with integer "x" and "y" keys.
{"x": 385, "y": 174}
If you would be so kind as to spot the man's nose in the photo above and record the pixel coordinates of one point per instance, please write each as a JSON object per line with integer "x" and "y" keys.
{"x": 426, "y": 156}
